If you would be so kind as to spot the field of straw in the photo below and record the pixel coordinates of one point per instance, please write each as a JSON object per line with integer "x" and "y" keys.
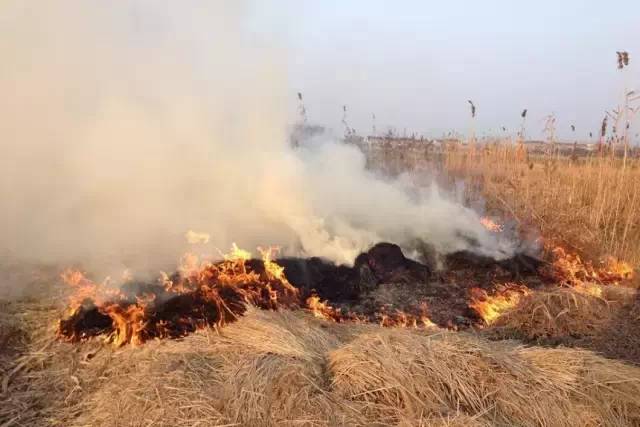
{"x": 287, "y": 368}
{"x": 562, "y": 357}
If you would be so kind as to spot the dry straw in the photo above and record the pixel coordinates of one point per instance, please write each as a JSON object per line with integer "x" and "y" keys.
{"x": 284, "y": 368}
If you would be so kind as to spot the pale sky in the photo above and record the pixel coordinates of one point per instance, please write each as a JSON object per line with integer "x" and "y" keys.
{"x": 415, "y": 63}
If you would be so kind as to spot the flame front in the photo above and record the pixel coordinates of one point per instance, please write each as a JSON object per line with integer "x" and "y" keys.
{"x": 567, "y": 269}
{"x": 491, "y": 307}
{"x": 198, "y": 295}
{"x": 571, "y": 270}
{"x": 396, "y": 318}
{"x": 204, "y": 293}
{"x": 201, "y": 294}
{"x": 491, "y": 225}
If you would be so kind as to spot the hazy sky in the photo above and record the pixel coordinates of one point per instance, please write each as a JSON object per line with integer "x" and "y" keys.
{"x": 415, "y": 63}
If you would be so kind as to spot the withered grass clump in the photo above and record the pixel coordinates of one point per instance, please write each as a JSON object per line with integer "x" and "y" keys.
{"x": 403, "y": 375}
{"x": 26, "y": 338}
{"x": 554, "y": 314}
{"x": 601, "y": 318}
{"x": 400, "y": 375}
{"x": 288, "y": 368}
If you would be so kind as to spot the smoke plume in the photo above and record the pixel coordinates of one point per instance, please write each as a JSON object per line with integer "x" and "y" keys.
{"x": 127, "y": 124}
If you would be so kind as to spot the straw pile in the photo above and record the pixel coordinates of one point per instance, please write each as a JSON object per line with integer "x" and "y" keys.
{"x": 399, "y": 376}
{"x": 591, "y": 317}
{"x": 287, "y": 368}
{"x": 552, "y": 315}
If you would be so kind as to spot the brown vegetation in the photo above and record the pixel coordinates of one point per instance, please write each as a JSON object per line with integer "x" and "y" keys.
{"x": 590, "y": 203}
{"x": 286, "y": 368}
{"x": 290, "y": 368}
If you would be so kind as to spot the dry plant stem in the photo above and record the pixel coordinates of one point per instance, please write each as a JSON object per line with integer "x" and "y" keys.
{"x": 591, "y": 202}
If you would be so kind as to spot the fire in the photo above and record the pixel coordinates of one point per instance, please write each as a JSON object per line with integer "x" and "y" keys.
{"x": 400, "y": 319}
{"x": 128, "y": 323}
{"x": 567, "y": 269}
{"x": 323, "y": 310}
{"x": 200, "y": 294}
{"x": 491, "y": 225}
{"x": 207, "y": 293}
{"x": 237, "y": 254}
{"x": 491, "y": 307}
{"x": 589, "y": 288}
{"x": 616, "y": 270}
{"x": 85, "y": 289}
{"x": 274, "y": 270}
{"x": 571, "y": 270}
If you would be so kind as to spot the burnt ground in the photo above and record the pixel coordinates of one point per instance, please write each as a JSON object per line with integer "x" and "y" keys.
{"x": 382, "y": 283}
{"x": 383, "y": 280}
{"x": 383, "y": 286}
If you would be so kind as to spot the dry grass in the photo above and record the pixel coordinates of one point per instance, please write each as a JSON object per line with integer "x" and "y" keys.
{"x": 605, "y": 319}
{"x": 288, "y": 368}
{"x": 401, "y": 376}
{"x": 591, "y": 204}
{"x": 554, "y": 314}
{"x": 11, "y": 330}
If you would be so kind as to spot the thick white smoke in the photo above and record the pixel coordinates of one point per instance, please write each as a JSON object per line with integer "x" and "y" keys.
{"x": 126, "y": 124}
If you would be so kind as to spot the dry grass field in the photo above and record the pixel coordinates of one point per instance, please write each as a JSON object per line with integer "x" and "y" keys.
{"x": 433, "y": 214}
{"x": 288, "y": 368}
{"x": 589, "y": 203}
{"x": 565, "y": 355}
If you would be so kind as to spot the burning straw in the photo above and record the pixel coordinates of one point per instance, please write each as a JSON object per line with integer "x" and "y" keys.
{"x": 199, "y": 295}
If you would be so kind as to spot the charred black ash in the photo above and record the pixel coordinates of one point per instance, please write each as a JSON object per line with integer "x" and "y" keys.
{"x": 382, "y": 281}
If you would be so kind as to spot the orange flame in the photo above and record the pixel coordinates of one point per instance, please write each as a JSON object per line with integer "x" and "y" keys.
{"x": 201, "y": 294}
{"x": 615, "y": 270}
{"x": 323, "y": 310}
{"x": 491, "y": 307}
{"x": 85, "y": 289}
{"x": 491, "y": 225}
{"x": 571, "y": 270}
{"x": 274, "y": 270}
